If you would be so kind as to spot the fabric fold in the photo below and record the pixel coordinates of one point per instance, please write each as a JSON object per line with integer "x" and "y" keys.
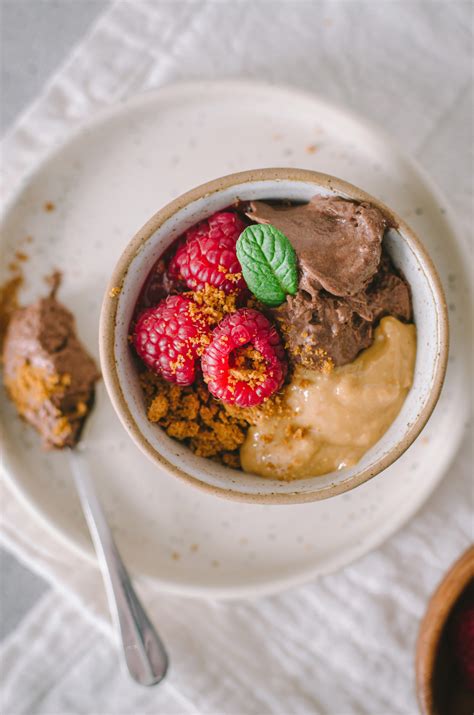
{"x": 344, "y": 643}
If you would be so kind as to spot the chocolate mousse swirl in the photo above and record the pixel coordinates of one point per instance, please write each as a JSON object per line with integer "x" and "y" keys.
{"x": 48, "y": 373}
{"x": 347, "y": 281}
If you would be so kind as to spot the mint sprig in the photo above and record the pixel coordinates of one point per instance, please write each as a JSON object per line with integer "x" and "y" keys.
{"x": 268, "y": 263}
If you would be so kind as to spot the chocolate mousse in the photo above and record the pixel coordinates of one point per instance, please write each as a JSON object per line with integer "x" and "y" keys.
{"x": 338, "y": 242}
{"x": 48, "y": 373}
{"x": 347, "y": 281}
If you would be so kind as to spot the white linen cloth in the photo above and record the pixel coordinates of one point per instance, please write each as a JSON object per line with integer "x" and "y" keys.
{"x": 345, "y": 643}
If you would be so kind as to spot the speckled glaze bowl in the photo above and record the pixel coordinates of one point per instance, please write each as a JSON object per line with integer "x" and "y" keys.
{"x": 120, "y": 376}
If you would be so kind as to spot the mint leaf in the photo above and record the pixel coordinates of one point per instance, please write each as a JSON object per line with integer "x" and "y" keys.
{"x": 268, "y": 263}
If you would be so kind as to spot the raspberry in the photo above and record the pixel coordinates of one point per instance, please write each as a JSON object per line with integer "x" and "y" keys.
{"x": 245, "y": 362}
{"x": 463, "y": 641}
{"x": 174, "y": 271}
{"x": 170, "y": 338}
{"x": 208, "y": 256}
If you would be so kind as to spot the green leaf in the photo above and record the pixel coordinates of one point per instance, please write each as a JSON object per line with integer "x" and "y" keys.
{"x": 268, "y": 263}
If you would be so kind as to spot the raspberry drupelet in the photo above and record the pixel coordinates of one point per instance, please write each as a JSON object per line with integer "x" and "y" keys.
{"x": 171, "y": 337}
{"x": 245, "y": 362}
{"x": 208, "y": 256}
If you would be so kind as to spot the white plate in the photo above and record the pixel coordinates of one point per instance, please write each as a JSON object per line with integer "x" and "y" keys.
{"x": 105, "y": 183}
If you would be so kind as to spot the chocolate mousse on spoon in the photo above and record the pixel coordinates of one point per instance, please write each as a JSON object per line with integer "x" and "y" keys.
{"x": 47, "y": 372}
{"x": 50, "y": 377}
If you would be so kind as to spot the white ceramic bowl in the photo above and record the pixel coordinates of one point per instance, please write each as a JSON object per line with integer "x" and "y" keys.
{"x": 120, "y": 376}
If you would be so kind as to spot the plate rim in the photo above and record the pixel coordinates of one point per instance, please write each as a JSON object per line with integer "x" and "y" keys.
{"x": 391, "y": 526}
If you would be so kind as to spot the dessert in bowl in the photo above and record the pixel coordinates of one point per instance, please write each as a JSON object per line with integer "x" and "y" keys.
{"x": 276, "y": 335}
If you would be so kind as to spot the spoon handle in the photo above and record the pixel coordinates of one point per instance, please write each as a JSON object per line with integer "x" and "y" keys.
{"x": 144, "y": 653}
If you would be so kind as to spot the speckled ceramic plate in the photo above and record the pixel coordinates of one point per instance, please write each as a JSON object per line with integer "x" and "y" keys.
{"x": 104, "y": 183}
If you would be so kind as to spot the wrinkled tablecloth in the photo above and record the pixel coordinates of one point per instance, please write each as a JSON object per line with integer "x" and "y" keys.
{"x": 345, "y": 643}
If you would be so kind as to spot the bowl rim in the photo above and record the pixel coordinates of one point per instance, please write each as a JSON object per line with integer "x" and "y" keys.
{"x": 119, "y": 274}
{"x": 432, "y": 625}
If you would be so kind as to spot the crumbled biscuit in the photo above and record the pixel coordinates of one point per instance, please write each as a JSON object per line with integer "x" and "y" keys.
{"x": 8, "y": 303}
{"x": 191, "y": 415}
{"x": 212, "y": 303}
{"x": 158, "y": 408}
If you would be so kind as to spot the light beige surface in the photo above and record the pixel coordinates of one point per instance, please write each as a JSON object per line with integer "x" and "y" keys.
{"x": 354, "y": 631}
{"x": 330, "y": 420}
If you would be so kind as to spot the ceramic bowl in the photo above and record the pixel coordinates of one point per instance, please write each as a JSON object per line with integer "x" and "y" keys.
{"x": 440, "y": 690}
{"x": 120, "y": 376}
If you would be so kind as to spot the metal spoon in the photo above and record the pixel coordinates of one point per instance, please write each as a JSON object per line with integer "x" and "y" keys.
{"x": 143, "y": 651}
